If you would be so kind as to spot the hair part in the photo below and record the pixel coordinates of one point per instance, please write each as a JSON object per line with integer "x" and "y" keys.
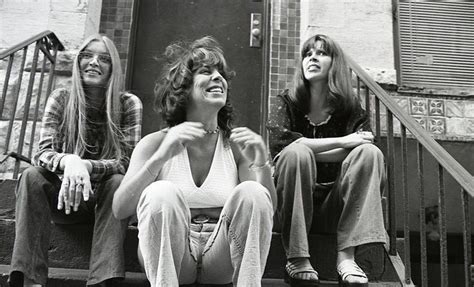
{"x": 173, "y": 89}
{"x": 74, "y": 124}
{"x": 340, "y": 97}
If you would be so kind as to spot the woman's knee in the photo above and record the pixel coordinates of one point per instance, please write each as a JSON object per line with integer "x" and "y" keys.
{"x": 367, "y": 152}
{"x": 161, "y": 195}
{"x": 32, "y": 174}
{"x": 34, "y": 178}
{"x": 252, "y": 192}
{"x": 296, "y": 152}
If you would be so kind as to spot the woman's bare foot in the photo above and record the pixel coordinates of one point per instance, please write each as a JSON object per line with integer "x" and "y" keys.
{"x": 302, "y": 269}
{"x": 352, "y": 272}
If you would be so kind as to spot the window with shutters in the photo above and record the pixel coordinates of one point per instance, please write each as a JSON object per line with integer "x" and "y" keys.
{"x": 436, "y": 41}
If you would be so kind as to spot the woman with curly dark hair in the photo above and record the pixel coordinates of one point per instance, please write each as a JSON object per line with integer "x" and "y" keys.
{"x": 328, "y": 174}
{"x": 202, "y": 191}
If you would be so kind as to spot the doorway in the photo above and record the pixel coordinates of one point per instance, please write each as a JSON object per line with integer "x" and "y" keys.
{"x": 161, "y": 22}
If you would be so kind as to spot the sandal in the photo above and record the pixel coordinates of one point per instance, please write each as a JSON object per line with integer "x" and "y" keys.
{"x": 347, "y": 268}
{"x": 291, "y": 270}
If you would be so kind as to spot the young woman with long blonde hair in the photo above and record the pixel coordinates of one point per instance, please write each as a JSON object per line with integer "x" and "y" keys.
{"x": 87, "y": 136}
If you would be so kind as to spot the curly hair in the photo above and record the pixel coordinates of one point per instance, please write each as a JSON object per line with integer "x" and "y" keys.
{"x": 173, "y": 90}
{"x": 341, "y": 97}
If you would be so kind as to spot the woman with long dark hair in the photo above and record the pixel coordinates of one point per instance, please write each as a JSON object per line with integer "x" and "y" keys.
{"x": 328, "y": 173}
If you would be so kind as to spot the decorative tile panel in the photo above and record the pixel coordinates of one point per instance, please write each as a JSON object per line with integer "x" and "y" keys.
{"x": 436, "y": 107}
{"x": 470, "y": 127}
{"x": 454, "y": 108}
{"x": 437, "y": 126}
{"x": 469, "y": 109}
{"x": 418, "y": 106}
{"x": 455, "y": 126}
{"x": 403, "y": 103}
{"x": 421, "y": 121}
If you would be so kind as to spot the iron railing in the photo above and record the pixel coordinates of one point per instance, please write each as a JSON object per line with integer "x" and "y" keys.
{"x": 373, "y": 95}
{"x": 44, "y": 55}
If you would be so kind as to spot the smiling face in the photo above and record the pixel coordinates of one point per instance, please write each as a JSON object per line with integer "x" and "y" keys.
{"x": 316, "y": 63}
{"x": 209, "y": 87}
{"x": 95, "y": 64}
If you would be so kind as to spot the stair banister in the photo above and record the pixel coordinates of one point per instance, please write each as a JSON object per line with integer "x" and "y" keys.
{"x": 444, "y": 162}
{"x": 459, "y": 173}
{"x": 49, "y": 34}
{"x": 48, "y": 45}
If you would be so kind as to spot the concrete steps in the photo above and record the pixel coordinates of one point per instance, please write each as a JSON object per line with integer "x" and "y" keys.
{"x": 61, "y": 277}
{"x": 69, "y": 262}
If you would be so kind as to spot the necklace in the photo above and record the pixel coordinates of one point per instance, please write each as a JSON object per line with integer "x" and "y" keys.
{"x": 210, "y": 132}
{"x": 318, "y": 124}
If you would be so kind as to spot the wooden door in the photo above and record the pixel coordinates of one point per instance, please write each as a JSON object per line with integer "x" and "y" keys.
{"x": 161, "y": 22}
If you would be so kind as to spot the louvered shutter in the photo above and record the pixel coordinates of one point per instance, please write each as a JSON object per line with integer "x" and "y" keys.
{"x": 437, "y": 43}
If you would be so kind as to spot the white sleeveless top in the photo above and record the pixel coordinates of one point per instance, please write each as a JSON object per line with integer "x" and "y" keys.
{"x": 218, "y": 185}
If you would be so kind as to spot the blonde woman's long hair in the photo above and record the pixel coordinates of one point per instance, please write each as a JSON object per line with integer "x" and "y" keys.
{"x": 74, "y": 126}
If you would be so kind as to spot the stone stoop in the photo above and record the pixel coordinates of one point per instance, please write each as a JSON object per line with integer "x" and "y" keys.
{"x": 70, "y": 247}
{"x": 60, "y": 277}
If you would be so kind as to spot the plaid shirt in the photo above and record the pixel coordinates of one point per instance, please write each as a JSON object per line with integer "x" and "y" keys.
{"x": 52, "y": 147}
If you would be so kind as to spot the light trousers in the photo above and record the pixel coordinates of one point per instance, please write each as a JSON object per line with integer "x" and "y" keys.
{"x": 175, "y": 251}
{"x": 351, "y": 208}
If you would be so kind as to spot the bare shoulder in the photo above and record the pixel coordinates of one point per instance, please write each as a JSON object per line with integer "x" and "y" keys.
{"x": 150, "y": 143}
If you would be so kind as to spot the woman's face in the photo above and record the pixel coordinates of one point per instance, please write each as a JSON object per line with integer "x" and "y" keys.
{"x": 316, "y": 63}
{"x": 95, "y": 64}
{"x": 209, "y": 87}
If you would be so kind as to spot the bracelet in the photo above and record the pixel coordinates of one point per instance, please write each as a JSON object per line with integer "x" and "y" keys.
{"x": 254, "y": 167}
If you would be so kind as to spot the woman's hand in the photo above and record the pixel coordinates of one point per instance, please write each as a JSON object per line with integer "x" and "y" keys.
{"x": 76, "y": 182}
{"x": 178, "y": 137}
{"x": 356, "y": 139}
{"x": 250, "y": 144}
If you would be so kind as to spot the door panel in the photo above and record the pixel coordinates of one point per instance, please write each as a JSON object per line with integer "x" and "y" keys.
{"x": 162, "y": 22}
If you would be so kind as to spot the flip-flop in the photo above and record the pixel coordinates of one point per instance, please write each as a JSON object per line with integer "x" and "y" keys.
{"x": 291, "y": 270}
{"x": 347, "y": 268}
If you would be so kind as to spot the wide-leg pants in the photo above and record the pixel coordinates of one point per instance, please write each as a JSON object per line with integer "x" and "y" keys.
{"x": 36, "y": 209}
{"x": 176, "y": 251}
{"x": 352, "y": 207}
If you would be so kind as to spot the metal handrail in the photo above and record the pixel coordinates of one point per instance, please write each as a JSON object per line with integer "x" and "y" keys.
{"x": 47, "y": 44}
{"x": 52, "y": 37}
{"x": 457, "y": 171}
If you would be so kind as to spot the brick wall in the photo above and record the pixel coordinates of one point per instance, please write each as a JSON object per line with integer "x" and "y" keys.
{"x": 116, "y": 22}
{"x": 284, "y": 45}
